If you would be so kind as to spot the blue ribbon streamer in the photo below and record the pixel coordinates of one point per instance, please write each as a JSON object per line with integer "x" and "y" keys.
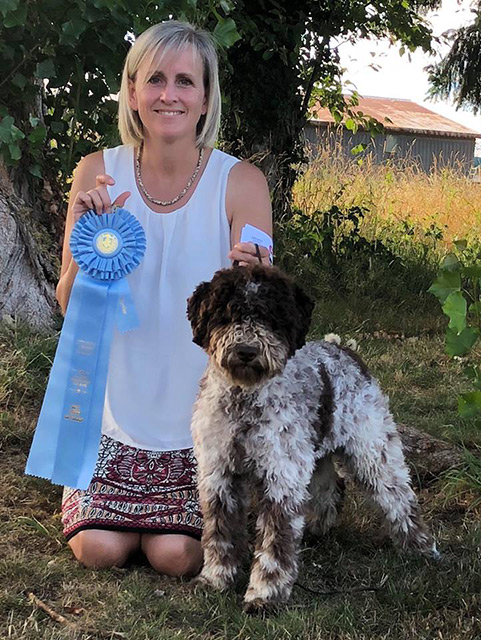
{"x": 65, "y": 445}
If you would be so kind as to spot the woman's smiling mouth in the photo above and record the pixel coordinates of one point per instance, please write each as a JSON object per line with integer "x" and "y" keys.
{"x": 169, "y": 113}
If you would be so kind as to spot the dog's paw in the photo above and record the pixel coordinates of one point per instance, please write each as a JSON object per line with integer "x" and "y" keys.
{"x": 433, "y": 553}
{"x": 199, "y": 583}
{"x": 261, "y": 608}
{"x": 207, "y": 581}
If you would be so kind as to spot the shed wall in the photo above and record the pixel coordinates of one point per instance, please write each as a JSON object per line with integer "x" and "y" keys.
{"x": 427, "y": 150}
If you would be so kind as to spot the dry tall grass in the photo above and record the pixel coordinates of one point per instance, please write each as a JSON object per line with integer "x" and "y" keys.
{"x": 398, "y": 196}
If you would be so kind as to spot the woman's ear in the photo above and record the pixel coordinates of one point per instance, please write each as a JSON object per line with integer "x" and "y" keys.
{"x": 132, "y": 95}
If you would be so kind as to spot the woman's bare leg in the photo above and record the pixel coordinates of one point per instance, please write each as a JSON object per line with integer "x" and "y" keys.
{"x": 99, "y": 548}
{"x": 172, "y": 554}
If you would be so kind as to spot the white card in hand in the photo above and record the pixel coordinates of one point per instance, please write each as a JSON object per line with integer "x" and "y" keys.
{"x": 253, "y": 234}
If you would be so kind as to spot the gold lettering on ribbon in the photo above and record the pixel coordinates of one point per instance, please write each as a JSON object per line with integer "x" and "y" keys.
{"x": 122, "y": 306}
{"x": 74, "y": 414}
{"x": 85, "y": 348}
{"x": 80, "y": 381}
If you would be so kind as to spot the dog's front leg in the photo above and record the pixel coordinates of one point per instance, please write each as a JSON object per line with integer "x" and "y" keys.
{"x": 223, "y": 498}
{"x": 274, "y": 571}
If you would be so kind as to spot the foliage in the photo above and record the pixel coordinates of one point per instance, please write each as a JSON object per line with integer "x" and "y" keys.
{"x": 329, "y": 236}
{"x": 458, "y": 74}
{"x": 331, "y": 254}
{"x": 65, "y": 60}
{"x": 457, "y": 287}
{"x": 288, "y": 51}
{"x": 423, "y": 211}
{"x": 464, "y": 483}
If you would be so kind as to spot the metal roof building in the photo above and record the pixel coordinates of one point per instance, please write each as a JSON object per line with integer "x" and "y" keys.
{"x": 410, "y": 131}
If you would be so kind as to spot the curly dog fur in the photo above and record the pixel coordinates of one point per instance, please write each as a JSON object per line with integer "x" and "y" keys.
{"x": 270, "y": 414}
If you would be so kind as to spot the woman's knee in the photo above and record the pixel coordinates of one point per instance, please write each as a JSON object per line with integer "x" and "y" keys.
{"x": 172, "y": 554}
{"x": 101, "y": 549}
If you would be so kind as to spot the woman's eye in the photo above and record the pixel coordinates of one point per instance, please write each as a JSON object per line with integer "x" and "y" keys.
{"x": 154, "y": 80}
{"x": 185, "y": 81}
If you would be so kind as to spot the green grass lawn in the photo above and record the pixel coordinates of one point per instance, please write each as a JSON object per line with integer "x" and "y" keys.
{"x": 409, "y": 597}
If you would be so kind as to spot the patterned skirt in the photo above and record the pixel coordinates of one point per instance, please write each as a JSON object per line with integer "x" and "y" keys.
{"x": 136, "y": 490}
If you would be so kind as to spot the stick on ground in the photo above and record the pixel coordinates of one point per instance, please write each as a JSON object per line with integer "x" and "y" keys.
{"x": 48, "y": 610}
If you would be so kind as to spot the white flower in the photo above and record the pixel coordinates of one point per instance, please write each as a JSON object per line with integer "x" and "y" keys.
{"x": 352, "y": 344}
{"x": 332, "y": 337}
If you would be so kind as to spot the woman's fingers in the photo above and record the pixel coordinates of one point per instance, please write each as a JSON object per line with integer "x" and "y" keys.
{"x": 105, "y": 180}
{"x": 98, "y": 199}
{"x": 120, "y": 200}
{"x": 246, "y": 253}
{"x": 83, "y": 203}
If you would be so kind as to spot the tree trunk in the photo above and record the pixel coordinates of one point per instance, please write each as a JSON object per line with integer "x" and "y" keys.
{"x": 428, "y": 457}
{"x": 26, "y": 262}
{"x": 263, "y": 122}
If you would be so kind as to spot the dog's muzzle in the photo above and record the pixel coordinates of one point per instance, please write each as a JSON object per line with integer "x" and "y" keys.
{"x": 245, "y": 365}
{"x": 245, "y": 353}
{"x": 249, "y": 354}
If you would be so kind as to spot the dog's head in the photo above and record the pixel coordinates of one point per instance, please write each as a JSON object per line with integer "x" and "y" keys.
{"x": 250, "y": 320}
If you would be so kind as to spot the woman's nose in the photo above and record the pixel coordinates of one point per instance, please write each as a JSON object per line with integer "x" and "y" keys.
{"x": 168, "y": 92}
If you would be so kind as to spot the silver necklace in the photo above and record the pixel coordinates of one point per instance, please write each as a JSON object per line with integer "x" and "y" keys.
{"x": 165, "y": 203}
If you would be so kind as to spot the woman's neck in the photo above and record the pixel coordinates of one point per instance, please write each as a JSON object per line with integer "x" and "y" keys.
{"x": 169, "y": 159}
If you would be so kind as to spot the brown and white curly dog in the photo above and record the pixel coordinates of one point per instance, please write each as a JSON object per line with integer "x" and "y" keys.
{"x": 270, "y": 414}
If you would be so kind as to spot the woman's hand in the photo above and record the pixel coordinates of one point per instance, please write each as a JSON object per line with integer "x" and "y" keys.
{"x": 97, "y": 199}
{"x": 245, "y": 253}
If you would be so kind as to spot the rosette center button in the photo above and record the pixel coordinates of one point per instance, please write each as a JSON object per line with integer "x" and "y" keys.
{"x": 107, "y": 243}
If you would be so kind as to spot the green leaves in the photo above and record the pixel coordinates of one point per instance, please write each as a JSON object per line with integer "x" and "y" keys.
{"x": 455, "y": 307}
{"x": 457, "y": 287}
{"x": 351, "y": 124}
{"x": 73, "y": 29}
{"x": 459, "y": 344}
{"x": 445, "y": 284}
{"x": 225, "y": 33}
{"x": 469, "y": 404}
{"x": 10, "y": 137}
{"x": 45, "y": 69}
{"x": 16, "y": 17}
{"x": 6, "y": 6}
{"x": 79, "y": 48}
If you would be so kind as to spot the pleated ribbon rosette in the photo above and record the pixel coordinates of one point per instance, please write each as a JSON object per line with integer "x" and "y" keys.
{"x": 65, "y": 446}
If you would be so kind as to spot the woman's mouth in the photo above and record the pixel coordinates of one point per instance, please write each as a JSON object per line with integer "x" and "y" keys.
{"x": 169, "y": 113}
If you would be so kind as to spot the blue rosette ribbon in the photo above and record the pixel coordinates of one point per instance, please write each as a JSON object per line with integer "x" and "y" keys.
{"x": 65, "y": 446}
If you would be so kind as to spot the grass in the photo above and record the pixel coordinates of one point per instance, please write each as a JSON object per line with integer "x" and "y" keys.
{"x": 399, "y": 196}
{"x": 376, "y": 297}
{"x": 413, "y": 598}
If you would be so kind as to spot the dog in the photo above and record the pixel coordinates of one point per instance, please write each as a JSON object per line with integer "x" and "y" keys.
{"x": 270, "y": 414}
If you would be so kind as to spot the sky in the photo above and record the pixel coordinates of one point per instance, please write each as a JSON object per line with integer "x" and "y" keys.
{"x": 399, "y": 77}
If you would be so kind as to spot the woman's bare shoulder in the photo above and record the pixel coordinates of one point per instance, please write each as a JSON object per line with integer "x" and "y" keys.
{"x": 248, "y": 199}
{"x": 244, "y": 173}
{"x": 89, "y": 167}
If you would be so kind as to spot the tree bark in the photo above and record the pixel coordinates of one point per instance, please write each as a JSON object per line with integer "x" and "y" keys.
{"x": 26, "y": 268}
{"x": 428, "y": 457}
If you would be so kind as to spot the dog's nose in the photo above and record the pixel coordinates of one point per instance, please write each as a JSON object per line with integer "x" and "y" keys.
{"x": 246, "y": 353}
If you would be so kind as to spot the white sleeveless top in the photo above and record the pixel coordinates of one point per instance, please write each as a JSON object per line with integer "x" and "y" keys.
{"x": 155, "y": 369}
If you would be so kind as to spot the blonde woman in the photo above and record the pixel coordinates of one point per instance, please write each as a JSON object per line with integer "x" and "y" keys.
{"x": 192, "y": 201}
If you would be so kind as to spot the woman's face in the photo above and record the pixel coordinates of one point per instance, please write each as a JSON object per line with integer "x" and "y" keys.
{"x": 169, "y": 95}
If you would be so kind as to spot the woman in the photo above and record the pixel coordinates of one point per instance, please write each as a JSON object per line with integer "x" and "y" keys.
{"x": 192, "y": 201}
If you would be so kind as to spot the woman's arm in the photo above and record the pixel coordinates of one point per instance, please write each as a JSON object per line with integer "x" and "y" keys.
{"x": 89, "y": 191}
{"x": 247, "y": 201}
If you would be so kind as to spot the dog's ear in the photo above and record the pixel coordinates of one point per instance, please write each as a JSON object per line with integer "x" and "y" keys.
{"x": 198, "y": 312}
{"x": 304, "y": 306}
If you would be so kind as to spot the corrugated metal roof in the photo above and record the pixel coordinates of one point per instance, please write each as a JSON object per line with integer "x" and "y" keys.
{"x": 404, "y": 115}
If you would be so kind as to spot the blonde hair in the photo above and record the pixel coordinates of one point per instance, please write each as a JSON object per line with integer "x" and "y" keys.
{"x": 171, "y": 35}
